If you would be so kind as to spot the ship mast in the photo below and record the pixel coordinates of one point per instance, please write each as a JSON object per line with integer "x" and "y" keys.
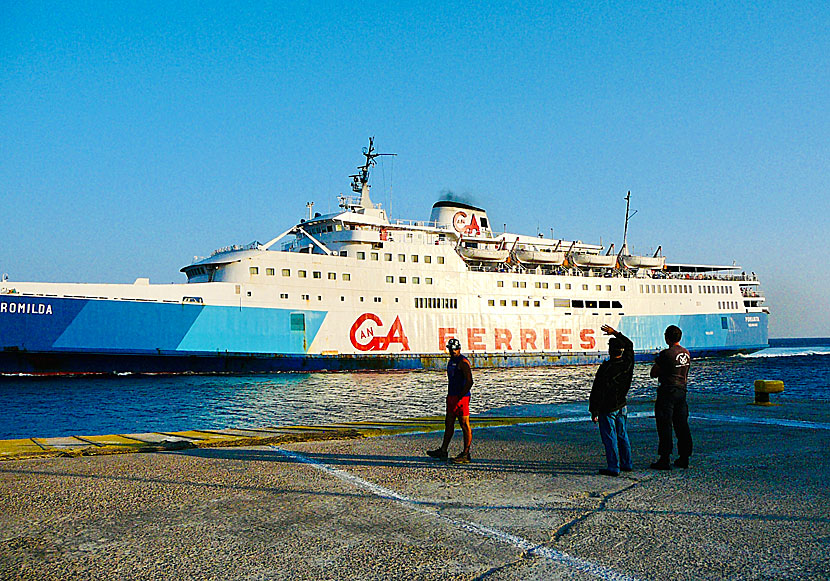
{"x": 624, "y": 250}
{"x": 360, "y": 180}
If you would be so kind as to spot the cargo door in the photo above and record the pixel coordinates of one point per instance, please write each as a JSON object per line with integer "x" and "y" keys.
{"x": 298, "y": 336}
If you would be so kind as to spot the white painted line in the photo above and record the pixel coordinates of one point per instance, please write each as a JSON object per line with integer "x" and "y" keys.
{"x": 594, "y": 569}
{"x": 763, "y": 421}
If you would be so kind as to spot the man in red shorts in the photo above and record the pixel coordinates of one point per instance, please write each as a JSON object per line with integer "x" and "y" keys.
{"x": 459, "y": 382}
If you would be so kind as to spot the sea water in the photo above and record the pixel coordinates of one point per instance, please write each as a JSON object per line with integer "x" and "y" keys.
{"x": 48, "y": 407}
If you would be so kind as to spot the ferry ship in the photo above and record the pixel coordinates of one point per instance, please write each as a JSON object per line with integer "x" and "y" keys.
{"x": 356, "y": 290}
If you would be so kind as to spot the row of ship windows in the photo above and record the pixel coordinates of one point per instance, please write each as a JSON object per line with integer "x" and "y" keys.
{"x": 705, "y": 289}
{"x": 557, "y": 285}
{"x": 387, "y": 257}
{"x": 254, "y": 271}
{"x": 415, "y": 279}
{"x": 724, "y": 305}
{"x": 562, "y": 303}
{"x": 435, "y": 303}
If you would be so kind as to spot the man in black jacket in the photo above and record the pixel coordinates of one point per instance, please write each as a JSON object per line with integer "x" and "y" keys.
{"x": 607, "y": 401}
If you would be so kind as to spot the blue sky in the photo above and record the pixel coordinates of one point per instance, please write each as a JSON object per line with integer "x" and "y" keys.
{"x": 135, "y": 136}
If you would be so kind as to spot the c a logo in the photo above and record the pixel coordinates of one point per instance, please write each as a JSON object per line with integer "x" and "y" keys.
{"x": 364, "y": 334}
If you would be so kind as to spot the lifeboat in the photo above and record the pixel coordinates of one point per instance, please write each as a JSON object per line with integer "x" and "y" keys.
{"x": 482, "y": 250}
{"x": 526, "y": 256}
{"x": 594, "y": 260}
{"x": 648, "y": 262}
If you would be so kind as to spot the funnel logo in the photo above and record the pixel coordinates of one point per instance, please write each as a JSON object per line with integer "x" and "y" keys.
{"x": 365, "y": 334}
{"x": 459, "y": 222}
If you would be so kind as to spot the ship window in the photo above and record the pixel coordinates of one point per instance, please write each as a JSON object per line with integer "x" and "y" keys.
{"x": 285, "y": 271}
{"x": 537, "y": 304}
{"x": 526, "y": 303}
{"x": 301, "y": 273}
{"x": 500, "y": 283}
{"x": 374, "y": 256}
{"x": 329, "y": 228}
{"x": 584, "y": 287}
{"x": 269, "y": 272}
{"x": 483, "y": 222}
{"x": 608, "y": 287}
{"x": 599, "y": 287}
{"x": 544, "y": 285}
{"x": 590, "y": 304}
{"x": 377, "y": 299}
{"x": 414, "y": 258}
{"x": 577, "y": 304}
{"x": 317, "y": 274}
{"x": 515, "y": 284}
{"x": 514, "y": 303}
{"x": 347, "y": 276}
{"x": 522, "y": 284}
{"x": 724, "y": 322}
{"x": 283, "y": 295}
{"x": 361, "y": 255}
{"x": 440, "y": 260}
{"x": 332, "y": 276}
{"x": 502, "y": 303}
{"x": 605, "y": 304}
{"x": 491, "y": 303}
{"x": 537, "y": 284}
{"x": 390, "y": 279}
{"x": 567, "y": 286}
{"x": 561, "y": 303}
{"x": 428, "y": 259}
{"x": 428, "y": 280}
{"x": 622, "y": 287}
{"x": 402, "y": 279}
{"x": 306, "y": 297}
{"x": 416, "y": 280}
{"x": 236, "y": 289}
{"x": 361, "y": 299}
{"x": 387, "y": 256}
{"x": 616, "y": 305}
{"x": 319, "y": 298}
{"x": 401, "y": 257}
{"x": 254, "y": 270}
{"x": 557, "y": 285}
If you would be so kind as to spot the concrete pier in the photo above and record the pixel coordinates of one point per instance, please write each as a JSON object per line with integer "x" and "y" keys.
{"x": 755, "y": 504}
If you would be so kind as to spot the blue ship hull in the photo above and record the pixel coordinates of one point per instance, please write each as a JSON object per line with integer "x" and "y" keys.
{"x": 42, "y": 335}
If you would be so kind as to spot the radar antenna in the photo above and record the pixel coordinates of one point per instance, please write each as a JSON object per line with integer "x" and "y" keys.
{"x": 360, "y": 180}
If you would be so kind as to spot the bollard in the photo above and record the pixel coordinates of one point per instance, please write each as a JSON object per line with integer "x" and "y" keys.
{"x": 764, "y": 387}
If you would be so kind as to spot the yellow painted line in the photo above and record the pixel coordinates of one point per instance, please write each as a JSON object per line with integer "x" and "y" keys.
{"x": 23, "y": 447}
{"x": 113, "y": 440}
{"x": 121, "y": 443}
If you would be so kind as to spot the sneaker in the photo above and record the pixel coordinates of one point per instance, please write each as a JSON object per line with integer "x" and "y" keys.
{"x": 661, "y": 464}
{"x": 439, "y": 453}
{"x": 607, "y": 472}
{"x": 626, "y": 469}
{"x": 462, "y": 458}
{"x": 682, "y": 462}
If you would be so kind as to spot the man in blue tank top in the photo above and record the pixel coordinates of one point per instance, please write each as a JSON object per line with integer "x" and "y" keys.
{"x": 459, "y": 382}
{"x": 670, "y": 410}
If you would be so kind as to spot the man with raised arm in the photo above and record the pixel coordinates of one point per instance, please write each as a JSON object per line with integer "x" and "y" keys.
{"x": 607, "y": 403}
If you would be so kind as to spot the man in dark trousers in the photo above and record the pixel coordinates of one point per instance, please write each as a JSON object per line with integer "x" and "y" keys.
{"x": 607, "y": 403}
{"x": 672, "y": 371}
{"x": 459, "y": 382}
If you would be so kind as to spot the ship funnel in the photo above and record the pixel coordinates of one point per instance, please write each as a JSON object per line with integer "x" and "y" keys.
{"x": 459, "y": 217}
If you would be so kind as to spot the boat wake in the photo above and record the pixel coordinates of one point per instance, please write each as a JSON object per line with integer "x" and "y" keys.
{"x": 786, "y": 352}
